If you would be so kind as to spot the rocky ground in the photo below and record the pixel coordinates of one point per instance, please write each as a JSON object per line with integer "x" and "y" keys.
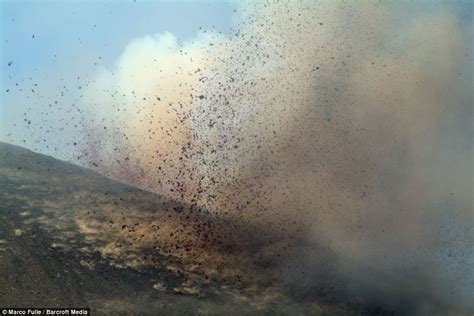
{"x": 70, "y": 237}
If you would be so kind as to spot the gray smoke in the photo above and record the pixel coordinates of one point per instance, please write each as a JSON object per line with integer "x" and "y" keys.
{"x": 353, "y": 125}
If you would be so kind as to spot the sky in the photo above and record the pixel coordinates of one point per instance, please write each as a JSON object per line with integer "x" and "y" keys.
{"x": 63, "y": 43}
{"x": 47, "y": 40}
{"x": 101, "y": 28}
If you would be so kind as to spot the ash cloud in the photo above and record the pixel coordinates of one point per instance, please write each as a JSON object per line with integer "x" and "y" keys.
{"x": 342, "y": 126}
{"x": 355, "y": 128}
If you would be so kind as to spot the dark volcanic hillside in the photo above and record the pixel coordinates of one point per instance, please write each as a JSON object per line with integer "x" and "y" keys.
{"x": 71, "y": 237}
{"x": 45, "y": 257}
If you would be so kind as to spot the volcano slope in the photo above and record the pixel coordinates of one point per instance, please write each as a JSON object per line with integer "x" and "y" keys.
{"x": 70, "y": 237}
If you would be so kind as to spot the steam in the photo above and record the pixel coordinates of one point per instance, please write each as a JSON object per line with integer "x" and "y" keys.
{"x": 346, "y": 129}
